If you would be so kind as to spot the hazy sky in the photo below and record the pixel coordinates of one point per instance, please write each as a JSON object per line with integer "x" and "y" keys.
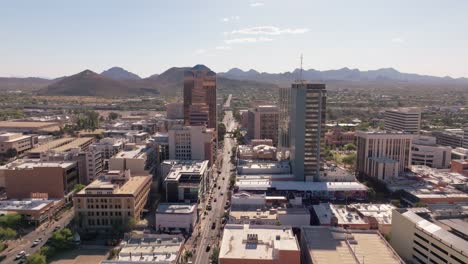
{"x": 49, "y": 38}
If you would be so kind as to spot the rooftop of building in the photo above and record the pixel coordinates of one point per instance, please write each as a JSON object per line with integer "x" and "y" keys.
{"x": 29, "y": 164}
{"x": 406, "y": 110}
{"x": 186, "y": 167}
{"x": 325, "y": 212}
{"x": 52, "y": 144}
{"x": 125, "y": 185}
{"x": 76, "y": 143}
{"x": 134, "y": 153}
{"x": 379, "y": 132}
{"x": 259, "y": 242}
{"x": 299, "y": 185}
{"x": 175, "y": 208}
{"x": 336, "y": 245}
{"x": 21, "y": 124}
{"x": 435, "y": 229}
{"x": 381, "y": 212}
{"x": 25, "y": 204}
{"x": 268, "y": 213}
{"x": 12, "y": 137}
{"x": 461, "y": 151}
{"x": 151, "y": 248}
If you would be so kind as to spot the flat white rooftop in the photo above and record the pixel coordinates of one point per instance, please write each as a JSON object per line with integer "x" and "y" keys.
{"x": 175, "y": 208}
{"x": 299, "y": 185}
{"x": 25, "y": 204}
{"x": 259, "y": 242}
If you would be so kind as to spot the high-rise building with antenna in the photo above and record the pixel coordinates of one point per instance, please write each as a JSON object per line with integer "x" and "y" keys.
{"x": 302, "y": 127}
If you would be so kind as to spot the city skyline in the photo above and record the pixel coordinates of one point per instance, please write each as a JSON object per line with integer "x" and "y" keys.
{"x": 52, "y": 39}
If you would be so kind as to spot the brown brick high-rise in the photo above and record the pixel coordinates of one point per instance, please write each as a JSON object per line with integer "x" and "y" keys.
{"x": 200, "y": 97}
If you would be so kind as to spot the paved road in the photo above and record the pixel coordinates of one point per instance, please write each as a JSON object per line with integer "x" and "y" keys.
{"x": 211, "y": 236}
{"x": 44, "y": 231}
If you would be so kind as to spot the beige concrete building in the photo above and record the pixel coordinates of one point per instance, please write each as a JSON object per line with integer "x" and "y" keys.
{"x": 263, "y": 123}
{"x": 329, "y": 245}
{"x": 425, "y": 151}
{"x": 187, "y": 181}
{"x": 30, "y": 127}
{"x": 418, "y": 240}
{"x": 132, "y": 158}
{"x": 112, "y": 199}
{"x": 61, "y": 145}
{"x": 35, "y": 179}
{"x": 403, "y": 119}
{"x": 383, "y": 155}
{"x": 191, "y": 143}
{"x": 108, "y": 146}
{"x": 18, "y": 142}
{"x": 262, "y": 244}
{"x": 292, "y": 216}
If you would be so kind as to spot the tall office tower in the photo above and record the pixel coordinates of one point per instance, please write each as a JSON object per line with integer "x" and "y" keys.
{"x": 200, "y": 97}
{"x": 403, "y": 119}
{"x": 307, "y": 129}
{"x": 284, "y": 117}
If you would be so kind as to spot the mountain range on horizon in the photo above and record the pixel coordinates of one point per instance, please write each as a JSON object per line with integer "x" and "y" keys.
{"x": 117, "y": 81}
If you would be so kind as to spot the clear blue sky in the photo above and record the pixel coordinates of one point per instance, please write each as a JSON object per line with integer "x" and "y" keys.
{"x": 51, "y": 38}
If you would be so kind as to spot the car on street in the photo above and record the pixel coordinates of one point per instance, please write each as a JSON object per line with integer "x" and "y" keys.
{"x": 208, "y": 207}
{"x": 221, "y": 193}
{"x": 56, "y": 228}
{"x": 36, "y": 242}
{"x": 208, "y": 248}
{"x": 20, "y": 255}
{"x": 213, "y": 225}
{"x": 215, "y": 200}
{"x": 219, "y": 187}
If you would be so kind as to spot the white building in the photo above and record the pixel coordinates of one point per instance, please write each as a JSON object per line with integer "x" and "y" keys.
{"x": 171, "y": 216}
{"x": 425, "y": 151}
{"x": 460, "y": 153}
{"x": 187, "y": 181}
{"x": 132, "y": 158}
{"x": 403, "y": 119}
{"x": 379, "y": 151}
{"x": 108, "y": 146}
{"x": 191, "y": 143}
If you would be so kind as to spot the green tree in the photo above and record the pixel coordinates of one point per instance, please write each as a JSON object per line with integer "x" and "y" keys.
{"x": 221, "y": 130}
{"x": 7, "y": 233}
{"x": 13, "y": 221}
{"x": 36, "y": 258}
{"x": 47, "y": 251}
{"x": 78, "y": 187}
{"x": 112, "y": 116}
{"x": 214, "y": 255}
{"x": 62, "y": 239}
{"x": 349, "y": 160}
{"x": 11, "y": 152}
{"x": 349, "y": 147}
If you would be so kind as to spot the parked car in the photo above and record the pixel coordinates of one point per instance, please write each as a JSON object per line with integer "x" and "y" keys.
{"x": 20, "y": 255}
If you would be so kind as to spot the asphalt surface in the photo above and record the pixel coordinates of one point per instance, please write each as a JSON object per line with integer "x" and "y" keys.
{"x": 44, "y": 231}
{"x": 209, "y": 236}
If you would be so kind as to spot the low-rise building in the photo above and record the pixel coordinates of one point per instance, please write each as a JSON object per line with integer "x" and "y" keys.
{"x": 17, "y": 141}
{"x": 34, "y": 211}
{"x": 131, "y": 158}
{"x": 257, "y": 167}
{"x": 36, "y": 179}
{"x": 288, "y": 216}
{"x": 460, "y": 166}
{"x": 330, "y": 245}
{"x": 108, "y": 146}
{"x": 337, "y": 137}
{"x": 419, "y": 238}
{"x": 149, "y": 248}
{"x": 379, "y": 216}
{"x": 176, "y": 216}
{"x": 257, "y": 152}
{"x": 460, "y": 153}
{"x": 328, "y": 214}
{"x": 425, "y": 151}
{"x": 187, "y": 181}
{"x": 62, "y": 145}
{"x": 30, "y": 127}
{"x": 265, "y": 244}
{"x": 111, "y": 200}
{"x": 449, "y": 137}
{"x": 90, "y": 163}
